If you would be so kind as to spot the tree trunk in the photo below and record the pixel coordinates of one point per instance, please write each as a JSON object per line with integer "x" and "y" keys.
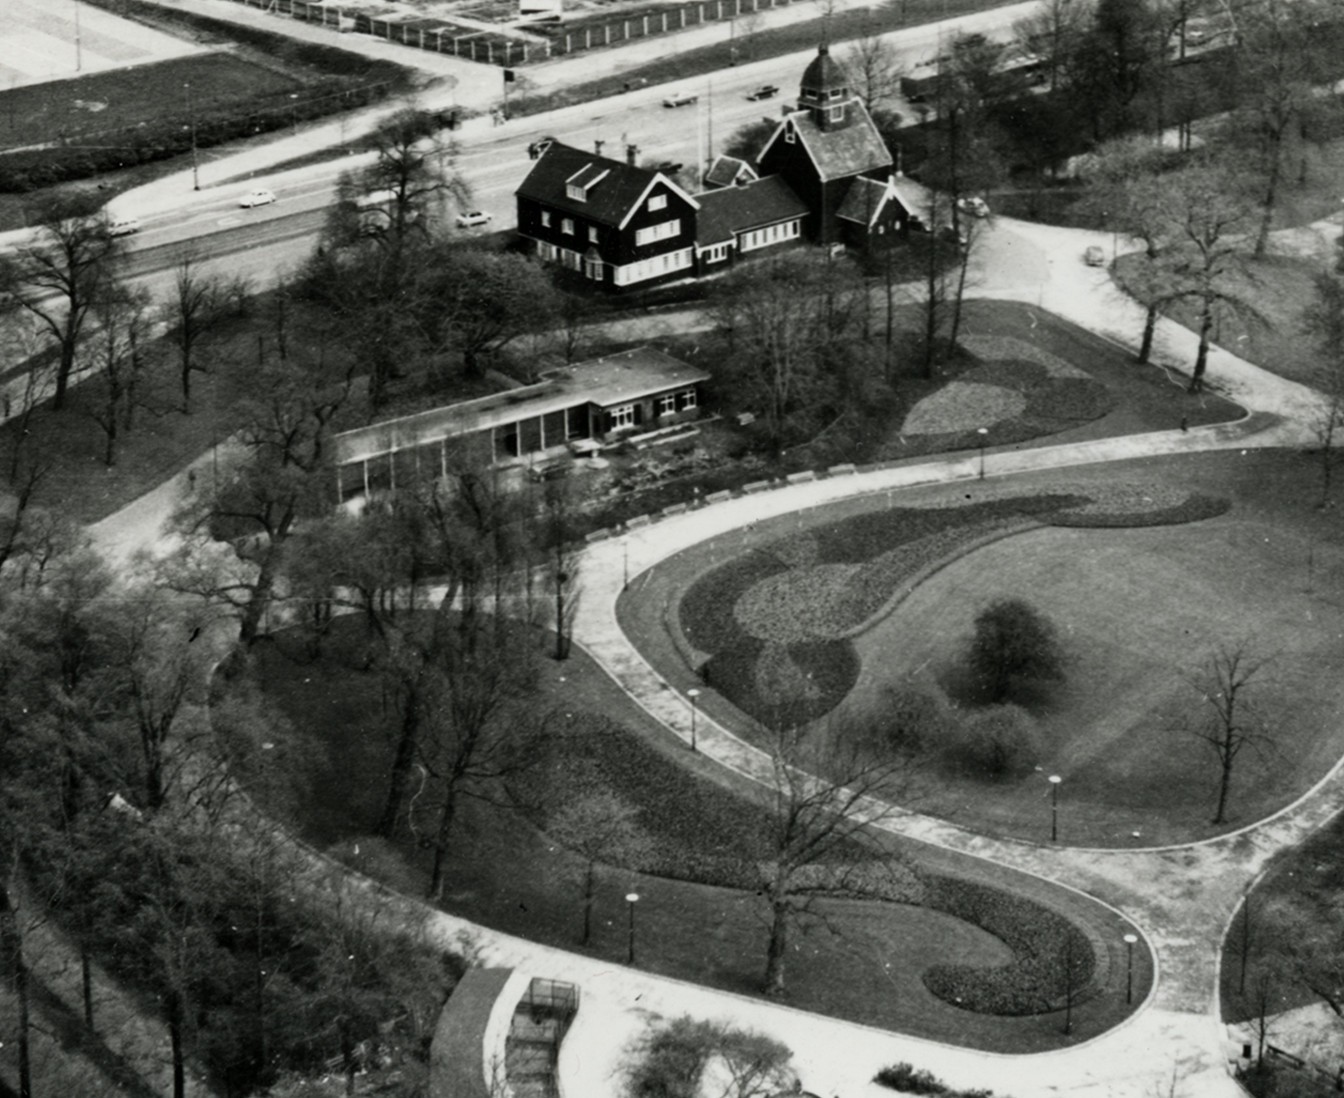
{"x": 1224, "y": 785}
{"x": 777, "y": 949}
{"x": 588, "y": 887}
{"x": 249, "y": 629}
{"x": 1202, "y": 356}
{"x": 1149, "y": 329}
{"x": 402, "y": 762}
{"x": 110, "y": 452}
{"x": 449, "y": 811}
{"x": 66, "y": 367}
{"x": 13, "y": 965}
{"x": 86, "y": 984}
{"x": 1271, "y": 194}
{"x": 175, "y": 1019}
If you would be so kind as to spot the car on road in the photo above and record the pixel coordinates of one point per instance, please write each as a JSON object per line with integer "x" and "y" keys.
{"x": 1095, "y": 256}
{"x": 472, "y": 219}
{"x": 975, "y": 206}
{"x": 680, "y": 99}
{"x": 765, "y": 91}
{"x": 259, "y": 197}
{"x": 123, "y": 226}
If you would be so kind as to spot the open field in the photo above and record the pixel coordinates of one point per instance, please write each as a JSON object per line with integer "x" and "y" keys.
{"x": 1138, "y": 610}
{"x": 56, "y": 39}
{"x": 82, "y": 110}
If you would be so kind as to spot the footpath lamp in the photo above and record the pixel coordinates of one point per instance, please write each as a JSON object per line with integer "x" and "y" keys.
{"x": 561, "y": 648}
{"x": 1055, "y": 779}
{"x": 631, "y": 898}
{"x": 694, "y": 694}
{"x": 983, "y": 434}
{"x": 625, "y": 562}
{"x": 1130, "y": 939}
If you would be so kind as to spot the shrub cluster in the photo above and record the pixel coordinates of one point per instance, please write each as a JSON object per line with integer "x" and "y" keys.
{"x": 1195, "y": 507}
{"x": 1049, "y": 952}
{"x": 908, "y": 1079}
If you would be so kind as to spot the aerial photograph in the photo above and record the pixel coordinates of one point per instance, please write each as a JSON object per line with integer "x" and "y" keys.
{"x": 671, "y": 548}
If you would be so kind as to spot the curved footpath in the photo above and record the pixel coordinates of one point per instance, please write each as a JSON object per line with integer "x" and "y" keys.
{"x": 1183, "y": 897}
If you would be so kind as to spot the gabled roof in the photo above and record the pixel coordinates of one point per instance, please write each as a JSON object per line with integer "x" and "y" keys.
{"x": 613, "y": 188}
{"x": 855, "y": 149}
{"x": 727, "y": 170}
{"x": 866, "y": 199}
{"x": 732, "y": 210}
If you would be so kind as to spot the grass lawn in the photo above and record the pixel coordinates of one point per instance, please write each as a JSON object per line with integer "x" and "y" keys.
{"x": 1280, "y": 287}
{"x": 319, "y": 775}
{"x": 1304, "y": 887}
{"x": 81, "y": 110}
{"x": 1138, "y": 610}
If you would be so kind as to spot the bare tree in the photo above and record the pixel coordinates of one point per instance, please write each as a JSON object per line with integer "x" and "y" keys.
{"x": 599, "y": 826}
{"x": 118, "y": 358}
{"x": 1207, "y": 217}
{"x": 1051, "y": 33}
{"x": 821, "y": 801}
{"x": 1231, "y": 723}
{"x": 1324, "y": 319}
{"x": 873, "y": 66}
{"x": 58, "y": 278}
{"x": 194, "y": 308}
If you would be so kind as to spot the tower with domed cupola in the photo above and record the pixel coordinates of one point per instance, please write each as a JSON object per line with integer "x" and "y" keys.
{"x": 824, "y": 144}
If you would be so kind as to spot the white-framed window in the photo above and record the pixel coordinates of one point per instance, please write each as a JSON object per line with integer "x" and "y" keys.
{"x": 622, "y": 416}
{"x": 788, "y": 134}
{"x": 715, "y": 253}
{"x": 664, "y": 230}
{"x": 571, "y": 259}
{"x": 657, "y": 202}
{"x": 667, "y": 404}
{"x": 545, "y": 219}
{"x": 652, "y": 267}
{"x": 576, "y": 192}
{"x": 546, "y": 251}
{"x": 836, "y": 93}
{"x": 592, "y": 234}
{"x": 687, "y": 398}
{"x": 592, "y": 268}
{"x": 838, "y": 113}
{"x": 567, "y": 225}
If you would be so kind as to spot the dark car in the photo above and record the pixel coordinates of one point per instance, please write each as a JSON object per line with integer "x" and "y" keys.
{"x": 765, "y": 91}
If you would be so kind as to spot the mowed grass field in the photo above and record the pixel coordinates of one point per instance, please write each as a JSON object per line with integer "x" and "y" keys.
{"x": 78, "y": 111}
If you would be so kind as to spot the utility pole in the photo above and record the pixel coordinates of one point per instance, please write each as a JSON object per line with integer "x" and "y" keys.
{"x": 191, "y": 113}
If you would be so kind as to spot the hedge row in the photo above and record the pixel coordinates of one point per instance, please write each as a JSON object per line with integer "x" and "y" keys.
{"x": 1045, "y": 947}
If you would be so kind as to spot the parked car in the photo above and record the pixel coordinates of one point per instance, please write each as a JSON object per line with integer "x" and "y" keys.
{"x": 765, "y": 91}
{"x": 1095, "y": 256}
{"x": 680, "y": 99}
{"x": 975, "y": 206}
{"x": 259, "y": 197}
{"x": 472, "y": 219}
{"x": 123, "y": 226}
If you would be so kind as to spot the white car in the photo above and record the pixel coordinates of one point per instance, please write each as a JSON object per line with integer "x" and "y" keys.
{"x": 473, "y": 219}
{"x": 1094, "y": 256}
{"x": 975, "y": 206}
{"x": 123, "y": 226}
{"x": 260, "y": 197}
{"x": 680, "y": 99}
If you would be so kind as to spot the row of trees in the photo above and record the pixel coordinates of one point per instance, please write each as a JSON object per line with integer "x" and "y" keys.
{"x": 118, "y": 826}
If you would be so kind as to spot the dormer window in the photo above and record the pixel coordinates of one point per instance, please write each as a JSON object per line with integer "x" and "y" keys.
{"x": 579, "y": 184}
{"x": 576, "y": 192}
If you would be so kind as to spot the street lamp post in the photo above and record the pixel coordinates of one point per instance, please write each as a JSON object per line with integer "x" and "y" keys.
{"x": 625, "y": 562}
{"x": 1130, "y": 939}
{"x": 631, "y": 898}
{"x": 293, "y": 112}
{"x": 1055, "y": 779}
{"x": 191, "y": 115}
{"x": 694, "y": 694}
{"x": 983, "y": 435}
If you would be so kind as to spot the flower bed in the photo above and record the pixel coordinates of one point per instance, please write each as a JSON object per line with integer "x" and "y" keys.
{"x": 1018, "y": 391}
{"x": 1049, "y": 952}
{"x": 776, "y": 621}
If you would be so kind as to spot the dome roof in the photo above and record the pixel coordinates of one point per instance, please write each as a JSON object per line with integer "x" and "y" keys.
{"x": 823, "y": 73}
